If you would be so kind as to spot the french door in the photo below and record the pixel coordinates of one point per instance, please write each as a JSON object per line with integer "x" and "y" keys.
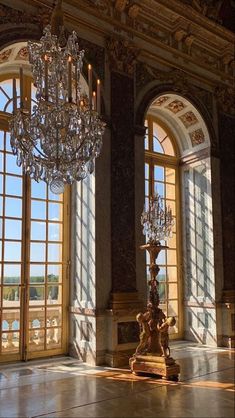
{"x": 34, "y": 254}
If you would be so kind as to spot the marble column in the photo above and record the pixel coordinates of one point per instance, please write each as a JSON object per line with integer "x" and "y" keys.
{"x": 124, "y": 302}
{"x": 227, "y": 158}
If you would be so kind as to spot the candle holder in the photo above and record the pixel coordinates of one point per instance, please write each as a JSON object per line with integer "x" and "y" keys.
{"x": 152, "y": 355}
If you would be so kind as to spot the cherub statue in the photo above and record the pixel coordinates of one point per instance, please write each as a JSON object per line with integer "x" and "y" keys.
{"x": 164, "y": 337}
{"x": 142, "y": 319}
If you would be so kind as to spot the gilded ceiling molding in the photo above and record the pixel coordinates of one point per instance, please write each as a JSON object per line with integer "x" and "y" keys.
{"x": 208, "y": 8}
{"x": 9, "y": 15}
{"x": 225, "y": 97}
{"x": 122, "y": 55}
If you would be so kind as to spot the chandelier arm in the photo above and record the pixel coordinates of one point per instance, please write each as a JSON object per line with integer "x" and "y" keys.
{"x": 30, "y": 140}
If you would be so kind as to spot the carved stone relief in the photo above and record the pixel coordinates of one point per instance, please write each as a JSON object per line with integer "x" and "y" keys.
{"x": 23, "y": 54}
{"x": 5, "y": 55}
{"x": 197, "y": 137}
{"x": 122, "y": 55}
{"x": 225, "y": 97}
{"x": 175, "y": 106}
{"x": 188, "y": 119}
{"x": 160, "y": 101}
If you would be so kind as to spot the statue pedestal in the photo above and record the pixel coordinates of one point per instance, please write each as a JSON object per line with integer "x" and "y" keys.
{"x": 166, "y": 367}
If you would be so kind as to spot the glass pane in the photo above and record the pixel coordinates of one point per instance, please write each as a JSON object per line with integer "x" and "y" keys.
{"x": 157, "y": 146}
{"x": 11, "y": 319}
{"x": 55, "y": 211}
{"x": 158, "y": 173}
{"x": 38, "y": 231}
{"x": 1, "y": 183}
{"x": 173, "y": 292}
{"x": 12, "y": 251}
{"x": 37, "y": 252}
{"x": 13, "y": 207}
{"x": 1, "y": 161}
{"x": 55, "y": 232}
{"x": 172, "y": 241}
{"x": 170, "y": 191}
{"x": 171, "y": 204}
{"x": 11, "y": 166}
{"x": 159, "y": 132}
{"x": 146, "y": 142}
{"x": 11, "y": 296}
{"x": 168, "y": 147}
{"x": 37, "y": 317}
{"x": 38, "y": 189}
{"x": 12, "y": 274}
{"x": 1, "y": 140}
{"x": 54, "y": 252}
{"x": 38, "y": 209}
{"x": 56, "y": 197}
{"x": 147, "y": 188}
{"x": 36, "y": 340}
{"x": 10, "y": 342}
{"x": 161, "y": 275}
{"x": 13, "y": 229}
{"x": 159, "y": 188}
{"x": 54, "y": 273}
{"x": 172, "y": 274}
{"x": 37, "y": 273}
{"x": 54, "y": 294}
{"x": 162, "y": 292}
{"x": 1, "y": 205}
{"x": 173, "y": 308}
{"x": 53, "y": 337}
{"x": 161, "y": 257}
{"x": 36, "y": 295}
{"x": 14, "y": 185}
{"x": 171, "y": 257}
{"x": 170, "y": 175}
{"x": 146, "y": 171}
{"x": 54, "y": 316}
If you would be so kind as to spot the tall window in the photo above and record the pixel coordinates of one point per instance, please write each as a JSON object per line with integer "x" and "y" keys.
{"x": 161, "y": 176}
{"x": 33, "y": 253}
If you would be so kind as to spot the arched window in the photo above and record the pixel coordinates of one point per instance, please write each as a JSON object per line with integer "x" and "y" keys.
{"x": 33, "y": 251}
{"x": 162, "y": 177}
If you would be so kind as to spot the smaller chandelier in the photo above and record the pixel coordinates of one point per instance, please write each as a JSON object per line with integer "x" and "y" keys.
{"x": 157, "y": 220}
{"x": 57, "y": 141}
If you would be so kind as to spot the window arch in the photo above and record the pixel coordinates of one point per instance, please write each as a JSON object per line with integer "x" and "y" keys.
{"x": 162, "y": 177}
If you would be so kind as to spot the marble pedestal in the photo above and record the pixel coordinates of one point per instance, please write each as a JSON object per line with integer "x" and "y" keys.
{"x": 167, "y": 368}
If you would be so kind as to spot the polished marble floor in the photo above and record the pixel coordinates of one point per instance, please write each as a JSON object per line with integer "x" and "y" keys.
{"x": 64, "y": 387}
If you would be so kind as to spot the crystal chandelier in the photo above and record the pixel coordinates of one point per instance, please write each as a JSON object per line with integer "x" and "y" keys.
{"x": 57, "y": 141}
{"x": 157, "y": 220}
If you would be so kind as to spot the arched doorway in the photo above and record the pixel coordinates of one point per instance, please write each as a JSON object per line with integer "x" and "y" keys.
{"x": 34, "y": 237}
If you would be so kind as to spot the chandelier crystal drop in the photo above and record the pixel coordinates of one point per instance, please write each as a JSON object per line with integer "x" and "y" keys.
{"x": 59, "y": 139}
{"x": 157, "y": 220}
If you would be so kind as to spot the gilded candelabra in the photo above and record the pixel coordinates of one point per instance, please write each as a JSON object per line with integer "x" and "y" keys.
{"x": 152, "y": 355}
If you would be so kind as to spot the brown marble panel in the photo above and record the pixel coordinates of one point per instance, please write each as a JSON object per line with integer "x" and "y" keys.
{"x": 122, "y": 184}
{"x": 227, "y": 153}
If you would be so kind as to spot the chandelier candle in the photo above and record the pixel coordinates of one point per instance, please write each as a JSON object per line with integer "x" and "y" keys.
{"x": 90, "y": 83}
{"x": 98, "y": 96}
{"x": 14, "y": 96}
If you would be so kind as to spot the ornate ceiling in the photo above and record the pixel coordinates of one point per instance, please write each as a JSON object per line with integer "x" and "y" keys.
{"x": 185, "y": 34}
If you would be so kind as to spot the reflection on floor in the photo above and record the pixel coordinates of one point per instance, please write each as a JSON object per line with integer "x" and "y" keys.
{"x": 64, "y": 387}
